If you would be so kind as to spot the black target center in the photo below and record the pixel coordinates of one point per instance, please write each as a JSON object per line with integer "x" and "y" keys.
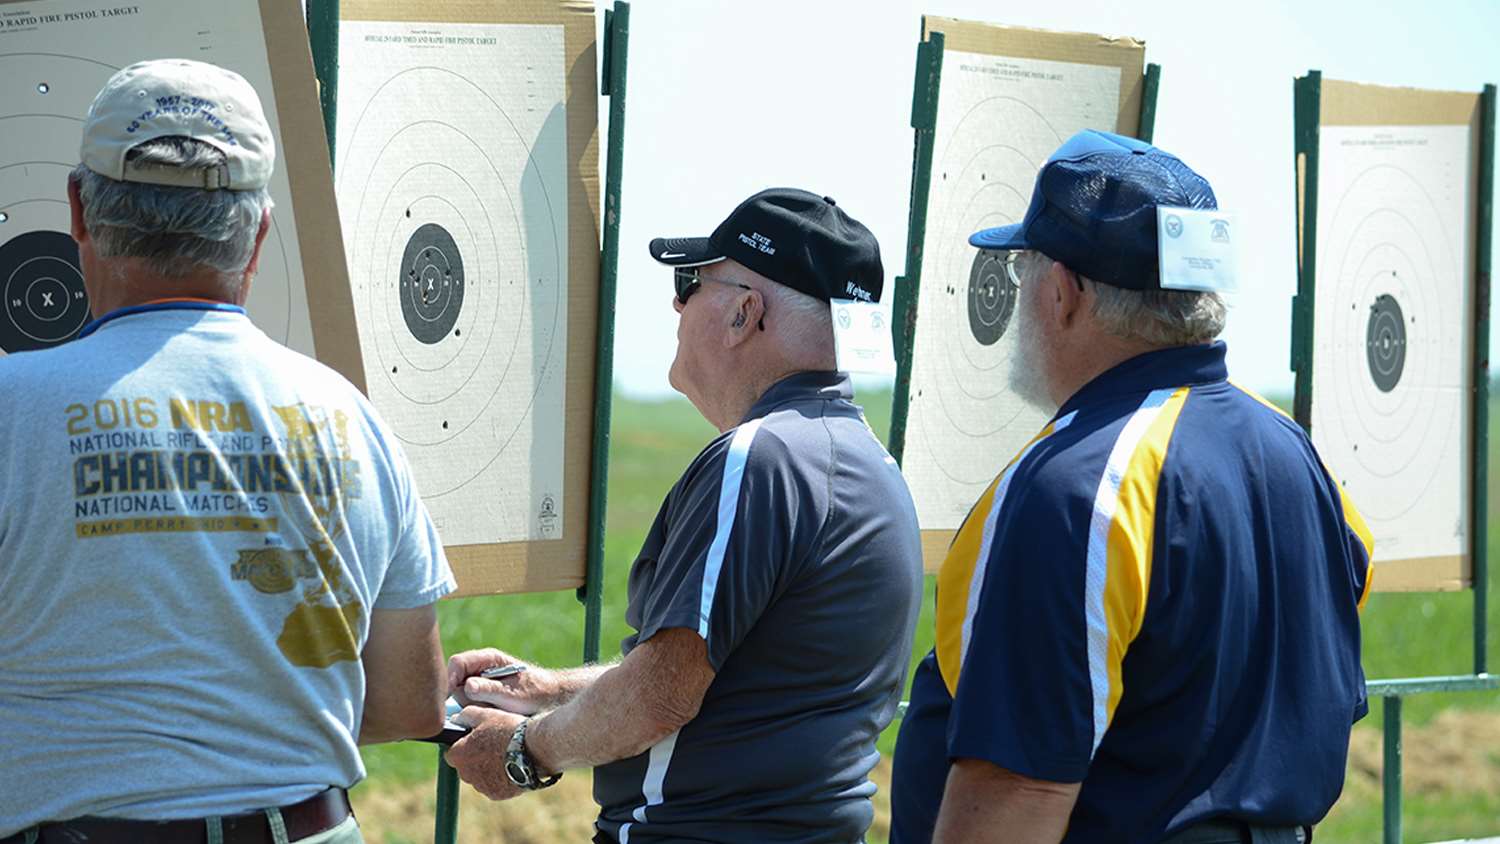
{"x": 1385, "y": 343}
{"x": 992, "y": 298}
{"x": 430, "y": 283}
{"x": 42, "y": 298}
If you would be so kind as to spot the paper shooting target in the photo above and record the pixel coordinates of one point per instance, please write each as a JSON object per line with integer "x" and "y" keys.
{"x": 43, "y": 100}
{"x": 998, "y": 120}
{"x": 982, "y": 177}
{"x": 1392, "y": 329}
{"x": 455, "y": 224}
{"x": 1390, "y": 320}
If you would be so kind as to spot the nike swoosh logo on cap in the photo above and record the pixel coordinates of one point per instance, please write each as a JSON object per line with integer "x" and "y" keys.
{"x": 668, "y": 255}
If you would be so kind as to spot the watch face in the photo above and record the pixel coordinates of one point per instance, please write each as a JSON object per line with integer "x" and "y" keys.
{"x": 518, "y": 774}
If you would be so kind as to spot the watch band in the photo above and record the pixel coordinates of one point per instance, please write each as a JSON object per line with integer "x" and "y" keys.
{"x": 519, "y": 766}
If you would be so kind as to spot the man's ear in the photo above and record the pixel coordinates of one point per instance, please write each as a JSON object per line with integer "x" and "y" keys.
{"x": 1067, "y": 294}
{"x": 253, "y": 266}
{"x": 745, "y": 318}
{"x": 78, "y": 229}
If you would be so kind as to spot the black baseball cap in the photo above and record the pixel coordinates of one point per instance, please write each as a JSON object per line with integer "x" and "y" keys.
{"x": 1094, "y": 208}
{"x": 792, "y": 237}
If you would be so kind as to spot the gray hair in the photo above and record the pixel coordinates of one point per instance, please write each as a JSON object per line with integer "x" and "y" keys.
{"x": 804, "y": 323}
{"x": 1154, "y": 317}
{"x": 175, "y": 230}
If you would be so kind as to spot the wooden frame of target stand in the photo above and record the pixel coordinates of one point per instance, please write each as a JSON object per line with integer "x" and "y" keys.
{"x": 1137, "y": 116}
{"x": 323, "y": 18}
{"x": 1352, "y": 104}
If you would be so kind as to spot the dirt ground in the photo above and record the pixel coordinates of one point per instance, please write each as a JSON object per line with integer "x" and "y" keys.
{"x": 1458, "y": 752}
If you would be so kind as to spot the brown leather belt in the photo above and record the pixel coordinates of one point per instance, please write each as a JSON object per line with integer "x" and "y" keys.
{"x": 316, "y": 814}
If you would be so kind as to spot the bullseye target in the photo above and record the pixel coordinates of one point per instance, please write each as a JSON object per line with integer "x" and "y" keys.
{"x": 995, "y": 128}
{"x": 44, "y": 97}
{"x": 45, "y": 302}
{"x": 1385, "y": 342}
{"x": 455, "y": 218}
{"x": 431, "y": 283}
{"x": 1391, "y": 335}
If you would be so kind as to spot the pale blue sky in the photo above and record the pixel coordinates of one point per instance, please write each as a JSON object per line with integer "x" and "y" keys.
{"x": 730, "y": 97}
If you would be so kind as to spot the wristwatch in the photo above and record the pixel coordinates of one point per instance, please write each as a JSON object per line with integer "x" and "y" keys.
{"x": 518, "y": 765}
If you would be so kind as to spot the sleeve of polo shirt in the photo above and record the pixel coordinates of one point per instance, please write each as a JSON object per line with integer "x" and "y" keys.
{"x": 1361, "y": 548}
{"x": 417, "y": 573}
{"x": 1025, "y": 697}
{"x": 730, "y": 538}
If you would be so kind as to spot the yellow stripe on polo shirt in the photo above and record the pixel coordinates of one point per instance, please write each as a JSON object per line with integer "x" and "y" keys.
{"x": 1130, "y": 542}
{"x": 962, "y": 574}
{"x": 1352, "y": 517}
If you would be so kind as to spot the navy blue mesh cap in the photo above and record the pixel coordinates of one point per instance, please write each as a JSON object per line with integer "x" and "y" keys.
{"x": 1094, "y": 208}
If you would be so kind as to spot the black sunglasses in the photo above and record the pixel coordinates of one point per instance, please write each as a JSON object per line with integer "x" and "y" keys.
{"x": 687, "y": 281}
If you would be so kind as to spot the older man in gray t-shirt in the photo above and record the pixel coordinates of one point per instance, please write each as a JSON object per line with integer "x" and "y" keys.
{"x": 216, "y": 575}
{"x": 775, "y": 596}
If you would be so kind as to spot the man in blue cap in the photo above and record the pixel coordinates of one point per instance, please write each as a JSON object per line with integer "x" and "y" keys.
{"x": 1147, "y": 629}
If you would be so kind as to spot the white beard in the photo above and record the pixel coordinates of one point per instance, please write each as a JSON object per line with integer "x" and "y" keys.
{"x": 1028, "y": 379}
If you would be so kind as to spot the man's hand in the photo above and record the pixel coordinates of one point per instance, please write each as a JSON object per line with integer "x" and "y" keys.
{"x": 479, "y": 757}
{"x": 525, "y": 693}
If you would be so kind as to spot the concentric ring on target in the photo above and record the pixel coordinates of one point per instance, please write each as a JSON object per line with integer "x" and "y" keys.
{"x": 1385, "y": 342}
{"x": 431, "y": 283}
{"x": 44, "y": 302}
{"x": 453, "y": 228}
{"x": 1385, "y": 356}
{"x": 992, "y": 298}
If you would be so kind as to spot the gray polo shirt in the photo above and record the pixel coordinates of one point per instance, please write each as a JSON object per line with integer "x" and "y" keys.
{"x": 790, "y": 544}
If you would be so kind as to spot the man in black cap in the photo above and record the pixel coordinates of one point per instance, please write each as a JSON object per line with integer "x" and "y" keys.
{"x": 1147, "y": 628}
{"x": 776, "y": 595}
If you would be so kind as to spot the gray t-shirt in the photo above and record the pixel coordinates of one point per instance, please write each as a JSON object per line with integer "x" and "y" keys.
{"x": 195, "y": 525}
{"x": 791, "y": 546}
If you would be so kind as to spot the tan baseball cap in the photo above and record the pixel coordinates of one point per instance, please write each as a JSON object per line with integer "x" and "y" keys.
{"x": 180, "y": 97}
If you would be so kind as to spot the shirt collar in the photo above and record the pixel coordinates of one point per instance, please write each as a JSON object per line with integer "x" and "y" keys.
{"x": 801, "y": 386}
{"x": 177, "y": 304}
{"x": 1178, "y": 366}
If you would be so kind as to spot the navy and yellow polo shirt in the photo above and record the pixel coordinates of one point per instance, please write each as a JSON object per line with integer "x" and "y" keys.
{"x": 1157, "y": 598}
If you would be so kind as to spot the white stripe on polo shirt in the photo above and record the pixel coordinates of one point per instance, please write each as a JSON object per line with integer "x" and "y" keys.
{"x": 1106, "y": 499}
{"x": 729, "y": 505}
{"x": 656, "y": 776}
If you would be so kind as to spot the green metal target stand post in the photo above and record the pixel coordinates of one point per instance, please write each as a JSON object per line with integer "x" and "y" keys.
{"x": 924, "y": 109}
{"x": 1308, "y": 110}
{"x": 323, "y": 36}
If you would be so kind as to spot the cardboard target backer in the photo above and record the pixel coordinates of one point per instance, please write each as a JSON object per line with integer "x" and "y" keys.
{"x": 468, "y": 190}
{"x": 1392, "y": 323}
{"x": 1008, "y": 98}
{"x": 55, "y": 55}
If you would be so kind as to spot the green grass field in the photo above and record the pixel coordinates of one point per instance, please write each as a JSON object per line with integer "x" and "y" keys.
{"x": 1405, "y": 635}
